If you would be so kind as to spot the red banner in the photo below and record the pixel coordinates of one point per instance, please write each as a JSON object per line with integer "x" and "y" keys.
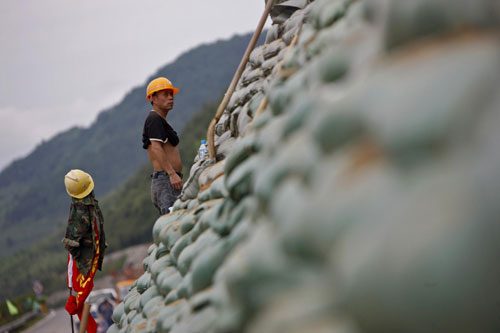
{"x": 82, "y": 285}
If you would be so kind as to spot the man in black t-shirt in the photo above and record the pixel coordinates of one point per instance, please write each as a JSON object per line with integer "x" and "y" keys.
{"x": 160, "y": 140}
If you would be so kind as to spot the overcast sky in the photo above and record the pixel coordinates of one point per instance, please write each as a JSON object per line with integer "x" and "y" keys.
{"x": 61, "y": 62}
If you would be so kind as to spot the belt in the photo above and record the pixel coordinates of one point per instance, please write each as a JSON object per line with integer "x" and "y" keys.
{"x": 155, "y": 174}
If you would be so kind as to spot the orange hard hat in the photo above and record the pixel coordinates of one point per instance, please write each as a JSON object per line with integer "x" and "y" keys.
{"x": 161, "y": 83}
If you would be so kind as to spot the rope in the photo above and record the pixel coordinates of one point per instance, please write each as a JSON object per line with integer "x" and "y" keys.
{"x": 236, "y": 77}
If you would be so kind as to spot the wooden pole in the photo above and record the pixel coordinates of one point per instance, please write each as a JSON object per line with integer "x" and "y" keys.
{"x": 85, "y": 318}
{"x": 236, "y": 77}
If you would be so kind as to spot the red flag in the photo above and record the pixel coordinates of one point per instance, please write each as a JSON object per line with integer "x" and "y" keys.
{"x": 82, "y": 285}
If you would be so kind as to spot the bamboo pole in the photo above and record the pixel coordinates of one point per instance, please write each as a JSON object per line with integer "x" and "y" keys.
{"x": 236, "y": 77}
{"x": 85, "y": 318}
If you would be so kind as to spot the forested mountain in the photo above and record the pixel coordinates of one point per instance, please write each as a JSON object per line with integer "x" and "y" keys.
{"x": 33, "y": 200}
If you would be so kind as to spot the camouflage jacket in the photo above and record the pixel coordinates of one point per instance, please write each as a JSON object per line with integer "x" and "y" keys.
{"x": 80, "y": 237}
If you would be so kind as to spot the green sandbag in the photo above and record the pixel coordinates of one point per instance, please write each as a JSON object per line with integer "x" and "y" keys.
{"x": 218, "y": 222}
{"x": 193, "y": 250}
{"x": 164, "y": 273}
{"x": 152, "y": 307}
{"x": 240, "y": 181}
{"x": 118, "y": 312}
{"x": 131, "y": 315}
{"x": 206, "y": 264}
{"x": 184, "y": 289}
{"x": 187, "y": 223}
{"x": 336, "y": 127}
{"x": 171, "y": 297}
{"x": 170, "y": 234}
{"x": 113, "y": 329}
{"x": 147, "y": 296}
{"x": 139, "y": 324}
{"x": 184, "y": 241}
{"x": 408, "y": 21}
{"x": 132, "y": 302}
{"x": 131, "y": 291}
{"x": 148, "y": 260}
{"x": 192, "y": 204}
{"x": 159, "y": 265}
{"x": 326, "y": 12}
{"x": 204, "y": 196}
{"x": 244, "y": 148}
{"x": 151, "y": 248}
{"x": 161, "y": 251}
{"x": 170, "y": 282}
{"x": 143, "y": 282}
{"x": 207, "y": 216}
{"x": 164, "y": 221}
{"x": 201, "y": 321}
{"x": 218, "y": 188}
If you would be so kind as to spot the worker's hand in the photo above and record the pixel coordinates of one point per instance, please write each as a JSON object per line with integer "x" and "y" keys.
{"x": 71, "y": 305}
{"x": 176, "y": 181}
{"x": 69, "y": 243}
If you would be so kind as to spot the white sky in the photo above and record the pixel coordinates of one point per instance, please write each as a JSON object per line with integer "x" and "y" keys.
{"x": 63, "y": 61}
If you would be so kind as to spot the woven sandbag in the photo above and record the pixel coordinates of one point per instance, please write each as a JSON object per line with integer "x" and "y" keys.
{"x": 170, "y": 282}
{"x": 132, "y": 303}
{"x": 191, "y": 187}
{"x": 218, "y": 188}
{"x": 170, "y": 234}
{"x": 256, "y": 56}
{"x": 162, "y": 222}
{"x": 240, "y": 181}
{"x": 201, "y": 321}
{"x": 113, "y": 329}
{"x": 139, "y": 324}
{"x": 161, "y": 251}
{"x": 211, "y": 173}
{"x": 409, "y": 20}
{"x": 159, "y": 265}
{"x": 184, "y": 289}
{"x": 326, "y": 12}
{"x": 152, "y": 307}
{"x": 131, "y": 315}
{"x": 193, "y": 250}
{"x": 206, "y": 264}
{"x": 171, "y": 297}
{"x": 118, "y": 312}
{"x": 166, "y": 318}
{"x": 143, "y": 282}
{"x": 150, "y": 293}
{"x": 224, "y": 146}
{"x": 223, "y": 124}
{"x": 273, "y": 33}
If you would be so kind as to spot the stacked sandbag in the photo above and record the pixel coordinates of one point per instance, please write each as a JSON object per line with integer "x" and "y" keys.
{"x": 361, "y": 197}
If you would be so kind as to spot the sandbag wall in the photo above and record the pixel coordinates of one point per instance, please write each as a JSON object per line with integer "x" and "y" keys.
{"x": 364, "y": 196}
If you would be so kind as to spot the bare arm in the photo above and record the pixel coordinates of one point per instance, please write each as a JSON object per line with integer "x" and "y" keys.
{"x": 158, "y": 154}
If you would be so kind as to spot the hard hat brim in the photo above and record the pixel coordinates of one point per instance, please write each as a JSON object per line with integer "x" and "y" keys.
{"x": 175, "y": 91}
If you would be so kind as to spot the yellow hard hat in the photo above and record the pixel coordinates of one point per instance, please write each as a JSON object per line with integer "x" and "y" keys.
{"x": 78, "y": 184}
{"x": 161, "y": 83}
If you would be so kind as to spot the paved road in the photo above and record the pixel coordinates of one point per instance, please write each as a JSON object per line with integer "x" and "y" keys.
{"x": 57, "y": 321}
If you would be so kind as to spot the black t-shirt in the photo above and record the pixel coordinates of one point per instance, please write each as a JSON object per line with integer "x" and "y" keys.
{"x": 156, "y": 128}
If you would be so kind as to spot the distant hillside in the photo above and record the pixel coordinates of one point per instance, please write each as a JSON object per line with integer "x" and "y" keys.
{"x": 32, "y": 196}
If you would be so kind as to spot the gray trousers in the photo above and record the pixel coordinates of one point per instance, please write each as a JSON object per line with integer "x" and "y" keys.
{"x": 163, "y": 194}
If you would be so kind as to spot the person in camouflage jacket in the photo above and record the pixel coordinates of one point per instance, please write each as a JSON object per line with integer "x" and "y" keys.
{"x": 79, "y": 240}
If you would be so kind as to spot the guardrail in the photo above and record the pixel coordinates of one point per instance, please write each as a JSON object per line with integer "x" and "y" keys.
{"x": 20, "y": 321}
